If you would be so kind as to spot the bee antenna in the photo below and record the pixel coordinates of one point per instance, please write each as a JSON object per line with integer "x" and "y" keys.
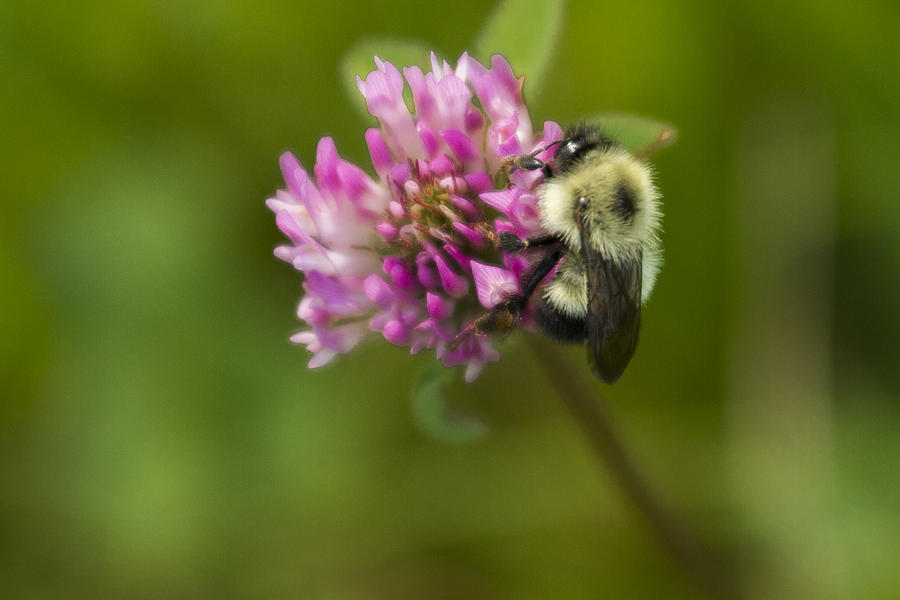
{"x": 547, "y": 147}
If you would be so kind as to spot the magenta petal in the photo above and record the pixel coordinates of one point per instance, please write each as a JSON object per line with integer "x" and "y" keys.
{"x": 453, "y": 184}
{"x": 458, "y": 255}
{"x": 505, "y": 76}
{"x": 425, "y": 106}
{"x": 469, "y": 210}
{"x": 379, "y": 291}
{"x": 383, "y": 90}
{"x": 430, "y": 251}
{"x": 430, "y": 140}
{"x": 552, "y": 133}
{"x": 435, "y": 326}
{"x": 326, "y": 168}
{"x": 396, "y": 209}
{"x": 400, "y": 173}
{"x": 502, "y": 225}
{"x": 493, "y": 284}
{"x": 396, "y": 333}
{"x": 400, "y": 273}
{"x": 508, "y": 147}
{"x": 353, "y": 180}
{"x": 289, "y": 227}
{"x": 388, "y": 231}
{"x": 441, "y": 165}
{"x": 438, "y": 306}
{"x": 452, "y": 96}
{"x": 453, "y": 284}
{"x": 338, "y": 299}
{"x": 321, "y": 358}
{"x": 525, "y": 214}
{"x": 516, "y": 263}
{"x": 411, "y": 187}
{"x": 378, "y": 150}
{"x": 474, "y": 120}
{"x": 439, "y": 234}
{"x": 427, "y": 274}
{"x": 479, "y": 182}
{"x": 461, "y": 146}
{"x": 292, "y": 172}
{"x": 472, "y": 235}
{"x": 502, "y": 200}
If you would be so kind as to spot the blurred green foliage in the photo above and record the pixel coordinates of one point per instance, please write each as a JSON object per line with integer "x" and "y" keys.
{"x": 159, "y": 437}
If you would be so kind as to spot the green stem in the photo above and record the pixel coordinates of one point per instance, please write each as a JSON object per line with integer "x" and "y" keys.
{"x": 589, "y": 411}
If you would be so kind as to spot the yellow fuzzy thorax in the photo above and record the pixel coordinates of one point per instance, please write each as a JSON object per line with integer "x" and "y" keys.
{"x": 596, "y": 178}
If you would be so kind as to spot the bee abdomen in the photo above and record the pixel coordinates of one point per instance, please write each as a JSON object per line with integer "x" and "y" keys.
{"x": 560, "y": 326}
{"x": 567, "y": 291}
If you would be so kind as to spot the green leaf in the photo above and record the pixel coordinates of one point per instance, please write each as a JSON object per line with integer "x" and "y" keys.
{"x": 640, "y": 135}
{"x": 525, "y": 32}
{"x": 359, "y": 60}
{"x": 433, "y": 416}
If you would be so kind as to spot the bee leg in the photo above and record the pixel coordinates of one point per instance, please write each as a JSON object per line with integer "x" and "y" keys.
{"x": 500, "y": 319}
{"x": 509, "y": 242}
{"x": 542, "y": 269}
{"x": 526, "y": 162}
{"x": 504, "y": 315}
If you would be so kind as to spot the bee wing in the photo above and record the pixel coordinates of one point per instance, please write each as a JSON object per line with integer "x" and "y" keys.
{"x": 613, "y": 310}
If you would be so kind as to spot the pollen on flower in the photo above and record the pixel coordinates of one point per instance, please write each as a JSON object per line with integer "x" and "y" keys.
{"x": 410, "y": 254}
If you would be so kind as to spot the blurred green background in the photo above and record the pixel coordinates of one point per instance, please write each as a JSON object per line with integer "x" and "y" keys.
{"x": 159, "y": 436}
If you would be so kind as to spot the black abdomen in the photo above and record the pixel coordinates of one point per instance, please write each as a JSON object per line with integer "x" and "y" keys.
{"x": 560, "y": 326}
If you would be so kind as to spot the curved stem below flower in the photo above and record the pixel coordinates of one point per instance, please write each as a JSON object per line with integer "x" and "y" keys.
{"x": 589, "y": 411}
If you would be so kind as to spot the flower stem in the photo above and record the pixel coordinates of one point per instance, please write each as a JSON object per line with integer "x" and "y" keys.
{"x": 591, "y": 414}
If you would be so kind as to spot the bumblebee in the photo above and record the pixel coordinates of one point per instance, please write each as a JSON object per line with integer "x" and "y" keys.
{"x": 600, "y": 216}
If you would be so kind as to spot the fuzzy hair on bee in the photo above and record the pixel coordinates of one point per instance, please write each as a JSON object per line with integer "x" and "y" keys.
{"x": 600, "y": 215}
{"x": 620, "y": 204}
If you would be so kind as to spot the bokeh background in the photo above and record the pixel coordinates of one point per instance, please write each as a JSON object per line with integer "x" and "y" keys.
{"x": 159, "y": 436}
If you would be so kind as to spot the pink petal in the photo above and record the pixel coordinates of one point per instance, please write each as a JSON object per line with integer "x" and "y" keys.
{"x": 378, "y": 150}
{"x": 479, "y": 182}
{"x": 441, "y": 166}
{"x": 379, "y": 291}
{"x": 400, "y": 273}
{"x": 424, "y": 103}
{"x": 427, "y": 274}
{"x": 458, "y": 255}
{"x": 387, "y": 230}
{"x": 473, "y": 236}
{"x": 396, "y": 333}
{"x": 339, "y": 301}
{"x": 438, "y": 306}
{"x": 383, "y": 91}
{"x": 493, "y": 284}
{"x": 321, "y": 358}
{"x": 474, "y": 120}
{"x": 326, "y": 168}
{"x": 502, "y": 200}
{"x": 468, "y": 209}
{"x": 430, "y": 140}
{"x": 461, "y": 146}
{"x": 453, "y": 284}
{"x": 292, "y": 172}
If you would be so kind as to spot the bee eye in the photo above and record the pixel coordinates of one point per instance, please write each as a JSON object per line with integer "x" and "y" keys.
{"x": 582, "y": 201}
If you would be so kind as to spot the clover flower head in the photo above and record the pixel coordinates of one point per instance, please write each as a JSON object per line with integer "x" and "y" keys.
{"x": 408, "y": 253}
